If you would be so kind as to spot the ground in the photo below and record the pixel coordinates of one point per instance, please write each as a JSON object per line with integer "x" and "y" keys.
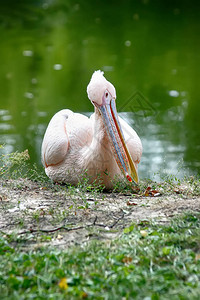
{"x": 62, "y": 216}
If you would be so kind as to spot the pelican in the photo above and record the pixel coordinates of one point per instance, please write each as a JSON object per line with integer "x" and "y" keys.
{"x": 103, "y": 146}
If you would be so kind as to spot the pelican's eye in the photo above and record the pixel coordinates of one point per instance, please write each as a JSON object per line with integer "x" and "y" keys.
{"x": 106, "y": 97}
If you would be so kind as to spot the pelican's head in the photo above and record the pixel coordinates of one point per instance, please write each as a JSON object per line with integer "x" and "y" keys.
{"x": 99, "y": 87}
{"x": 102, "y": 94}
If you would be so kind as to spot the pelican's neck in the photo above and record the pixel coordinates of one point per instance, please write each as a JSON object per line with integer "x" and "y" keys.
{"x": 98, "y": 152}
{"x": 100, "y": 135}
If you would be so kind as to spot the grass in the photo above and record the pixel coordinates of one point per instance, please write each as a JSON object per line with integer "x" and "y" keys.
{"x": 148, "y": 261}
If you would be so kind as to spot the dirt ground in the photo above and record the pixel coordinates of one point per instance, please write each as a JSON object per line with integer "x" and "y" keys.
{"x": 45, "y": 216}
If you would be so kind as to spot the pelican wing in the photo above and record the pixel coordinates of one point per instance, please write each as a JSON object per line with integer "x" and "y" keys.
{"x": 56, "y": 141}
{"x": 67, "y": 131}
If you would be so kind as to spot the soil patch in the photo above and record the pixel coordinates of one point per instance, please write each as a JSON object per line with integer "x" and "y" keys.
{"x": 55, "y": 216}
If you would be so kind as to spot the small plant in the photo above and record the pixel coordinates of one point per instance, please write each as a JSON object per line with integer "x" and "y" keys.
{"x": 14, "y": 164}
{"x": 87, "y": 189}
{"x": 38, "y": 175}
{"x": 37, "y": 215}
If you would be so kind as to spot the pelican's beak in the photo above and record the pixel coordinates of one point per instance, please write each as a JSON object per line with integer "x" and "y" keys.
{"x": 121, "y": 152}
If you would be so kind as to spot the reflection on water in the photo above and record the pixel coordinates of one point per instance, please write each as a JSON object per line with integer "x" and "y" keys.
{"x": 148, "y": 49}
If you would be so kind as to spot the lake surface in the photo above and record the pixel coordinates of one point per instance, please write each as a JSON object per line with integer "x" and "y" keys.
{"x": 150, "y": 51}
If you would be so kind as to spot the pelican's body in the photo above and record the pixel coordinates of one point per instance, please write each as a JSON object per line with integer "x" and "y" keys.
{"x": 74, "y": 143}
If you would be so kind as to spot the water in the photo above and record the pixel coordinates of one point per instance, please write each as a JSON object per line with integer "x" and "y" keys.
{"x": 148, "y": 49}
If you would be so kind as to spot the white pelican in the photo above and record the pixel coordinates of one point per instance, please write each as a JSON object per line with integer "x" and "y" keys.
{"x": 103, "y": 145}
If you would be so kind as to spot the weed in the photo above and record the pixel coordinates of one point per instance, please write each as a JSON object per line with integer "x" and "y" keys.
{"x": 37, "y": 215}
{"x": 13, "y": 164}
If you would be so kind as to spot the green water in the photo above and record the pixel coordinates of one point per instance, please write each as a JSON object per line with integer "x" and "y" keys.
{"x": 150, "y": 51}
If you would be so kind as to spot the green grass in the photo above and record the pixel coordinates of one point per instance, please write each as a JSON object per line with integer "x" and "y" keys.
{"x": 148, "y": 261}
